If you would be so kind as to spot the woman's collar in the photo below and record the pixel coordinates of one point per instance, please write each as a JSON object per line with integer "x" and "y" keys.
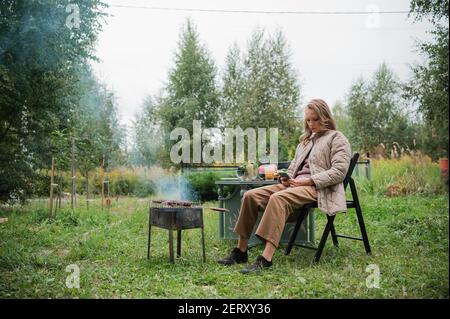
{"x": 315, "y": 136}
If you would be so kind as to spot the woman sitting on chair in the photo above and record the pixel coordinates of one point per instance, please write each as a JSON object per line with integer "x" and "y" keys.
{"x": 316, "y": 173}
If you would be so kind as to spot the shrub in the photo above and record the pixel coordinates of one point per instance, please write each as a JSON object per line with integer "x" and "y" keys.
{"x": 144, "y": 187}
{"x": 203, "y": 183}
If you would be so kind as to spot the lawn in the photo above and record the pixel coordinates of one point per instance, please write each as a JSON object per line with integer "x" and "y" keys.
{"x": 408, "y": 234}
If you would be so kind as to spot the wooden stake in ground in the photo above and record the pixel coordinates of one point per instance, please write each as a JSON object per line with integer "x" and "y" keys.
{"x": 103, "y": 180}
{"x": 60, "y": 189}
{"x": 103, "y": 192}
{"x": 87, "y": 190}
{"x": 73, "y": 176}
{"x": 50, "y": 212}
{"x": 108, "y": 199}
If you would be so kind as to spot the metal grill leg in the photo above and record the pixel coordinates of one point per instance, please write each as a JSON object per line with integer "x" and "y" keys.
{"x": 203, "y": 245}
{"x": 171, "y": 246}
{"x": 178, "y": 243}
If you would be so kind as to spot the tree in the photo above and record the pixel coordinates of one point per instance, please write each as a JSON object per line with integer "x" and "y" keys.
{"x": 147, "y": 139}
{"x": 95, "y": 126}
{"x": 260, "y": 89}
{"x": 39, "y": 55}
{"x": 233, "y": 87}
{"x": 111, "y": 132}
{"x": 191, "y": 93}
{"x": 97, "y": 136}
{"x": 341, "y": 118}
{"x": 429, "y": 84}
{"x": 377, "y": 113}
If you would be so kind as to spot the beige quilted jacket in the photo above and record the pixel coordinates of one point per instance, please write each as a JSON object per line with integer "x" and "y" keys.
{"x": 329, "y": 161}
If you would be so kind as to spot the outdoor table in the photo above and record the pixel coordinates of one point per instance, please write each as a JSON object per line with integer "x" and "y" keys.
{"x": 232, "y": 202}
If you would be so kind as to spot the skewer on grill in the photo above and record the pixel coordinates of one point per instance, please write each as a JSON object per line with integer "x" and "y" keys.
{"x": 181, "y": 203}
{"x": 173, "y": 203}
{"x": 178, "y": 203}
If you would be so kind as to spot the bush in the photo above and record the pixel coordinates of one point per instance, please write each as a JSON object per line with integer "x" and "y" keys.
{"x": 145, "y": 188}
{"x": 41, "y": 184}
{"x": 203, "y": 183}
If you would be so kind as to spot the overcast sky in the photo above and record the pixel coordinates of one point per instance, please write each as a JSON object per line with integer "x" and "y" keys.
{"x": 329, "y": 51}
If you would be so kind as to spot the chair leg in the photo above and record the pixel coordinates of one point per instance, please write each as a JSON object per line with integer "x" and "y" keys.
{"x": 363, "y": 229}
{"x": 324, "y": 238}
{"x": 359, "y": 215}
{"x": 300, "y": 218}
{"x": 333, "y": 236}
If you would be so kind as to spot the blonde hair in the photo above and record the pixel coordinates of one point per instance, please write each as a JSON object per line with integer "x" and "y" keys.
{"x": 326, "y": 121}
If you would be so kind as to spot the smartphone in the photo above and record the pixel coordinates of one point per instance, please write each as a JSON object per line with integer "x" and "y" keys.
{"x": 284, "y": 174}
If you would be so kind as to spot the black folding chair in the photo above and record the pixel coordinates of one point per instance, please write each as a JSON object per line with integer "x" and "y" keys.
{"x": 354, "y": 203}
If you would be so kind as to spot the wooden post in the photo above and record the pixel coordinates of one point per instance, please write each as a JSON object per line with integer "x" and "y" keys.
{"x": 60, "y": 189}
{"x": 87, "y": 190}
{"x": 103, "y": 191}
{"x": 50, "y": 212}
{"x": 75, "y": 184}
{"x": 103, "y": 180}
{"x": 108, "y": 199}
{"x": 73, "y": 176}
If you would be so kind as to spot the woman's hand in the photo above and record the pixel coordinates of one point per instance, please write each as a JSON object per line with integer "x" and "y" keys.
{"x": 285, "y": 181}
{"x": 300, "y": 182}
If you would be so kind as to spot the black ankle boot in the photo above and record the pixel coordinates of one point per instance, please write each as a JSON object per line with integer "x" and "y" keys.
{"x": 260, "y": 264}
{"x": 236, "y": 257}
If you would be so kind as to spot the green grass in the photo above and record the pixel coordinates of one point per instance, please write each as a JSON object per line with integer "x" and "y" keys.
{"x": 409, "y": 238}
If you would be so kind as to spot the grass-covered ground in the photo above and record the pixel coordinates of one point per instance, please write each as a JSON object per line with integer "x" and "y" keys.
{"x": 409, "y": 238}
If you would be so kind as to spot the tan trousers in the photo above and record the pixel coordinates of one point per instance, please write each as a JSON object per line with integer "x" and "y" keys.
{"x": 278, "y": 203}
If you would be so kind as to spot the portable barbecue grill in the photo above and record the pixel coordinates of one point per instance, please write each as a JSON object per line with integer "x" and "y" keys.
{"x": 176, "y": 215}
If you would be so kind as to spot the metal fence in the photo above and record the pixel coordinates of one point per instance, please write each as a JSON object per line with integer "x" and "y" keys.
{"x": 363, "y": 169}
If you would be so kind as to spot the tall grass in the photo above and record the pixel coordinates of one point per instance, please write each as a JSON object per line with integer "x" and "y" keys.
{"x": 138, "y": 181}
{"x": 406, "y": 175}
